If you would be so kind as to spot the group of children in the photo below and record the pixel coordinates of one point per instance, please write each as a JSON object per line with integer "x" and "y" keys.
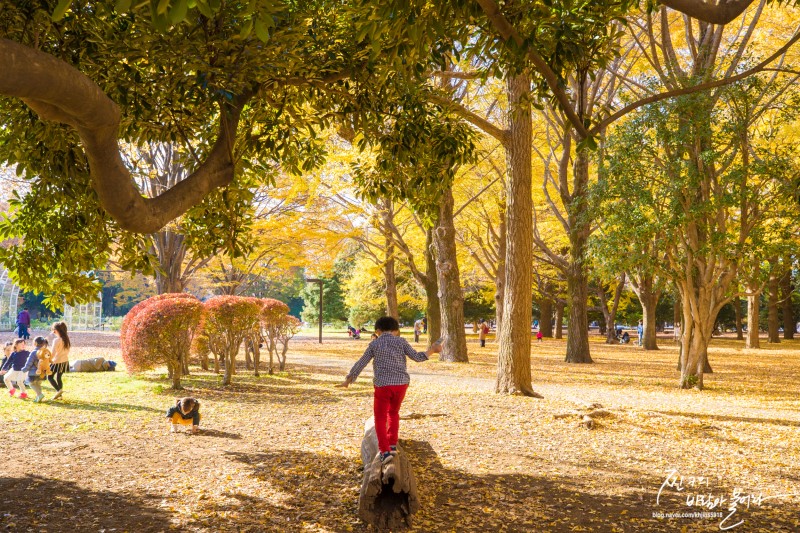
{"x": 19, "y": 367}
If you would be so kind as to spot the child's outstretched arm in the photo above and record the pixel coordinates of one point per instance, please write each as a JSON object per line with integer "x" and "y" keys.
{"x": 414, "y": 355}
{"x": 346, "y": 383}
{"x": 369, "y": 353}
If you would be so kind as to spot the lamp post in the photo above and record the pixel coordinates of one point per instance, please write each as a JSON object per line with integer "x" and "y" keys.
{"x": 317, "y": 280}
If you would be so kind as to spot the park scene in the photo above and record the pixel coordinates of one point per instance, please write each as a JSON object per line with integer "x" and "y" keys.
{"x": 453, "y": 266}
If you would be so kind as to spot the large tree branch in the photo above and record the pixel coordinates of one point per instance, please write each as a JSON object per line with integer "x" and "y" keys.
{"x": 476, "y": 120}
{"x": 721, "y": 13}
{"x": 59, "y": 92}
{"x": 695, "y": 88}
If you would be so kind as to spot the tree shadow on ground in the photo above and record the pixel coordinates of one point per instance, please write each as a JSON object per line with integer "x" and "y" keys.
{"x": 508, "y": 502}
{"x": 36, "y": 503}
{"x": 730, "y": 418}
{"x": 320, "y": 490}
{"x": 208, "y": 432}
{"x": 100, "y": 406}
{"x": 282, "y": 389}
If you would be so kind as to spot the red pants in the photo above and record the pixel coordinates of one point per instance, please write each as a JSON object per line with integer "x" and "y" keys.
{"x": 386, "y": 405}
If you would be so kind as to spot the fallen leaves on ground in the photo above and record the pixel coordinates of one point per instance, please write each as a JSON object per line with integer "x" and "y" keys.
{"x": 281, "y": 452}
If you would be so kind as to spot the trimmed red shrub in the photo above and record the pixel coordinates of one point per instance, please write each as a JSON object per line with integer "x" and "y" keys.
{"x": 162, "y": 333}
{"x": 229, "y": 320}
{"x": 200, "y": 346}
{"x": 289, "y": 327}
{"x": 130, "y": 318}
{"x": 273, "y": 313}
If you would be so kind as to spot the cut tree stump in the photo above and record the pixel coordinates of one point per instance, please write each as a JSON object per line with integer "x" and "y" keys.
{"x": 388, "y": 492}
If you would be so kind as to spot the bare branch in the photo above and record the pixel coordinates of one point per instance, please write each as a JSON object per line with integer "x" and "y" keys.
{"x": 695, "y": 88}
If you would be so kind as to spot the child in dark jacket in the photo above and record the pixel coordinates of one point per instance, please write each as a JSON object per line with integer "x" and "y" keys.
{"x": 186, "y": 411}
{"x": 7, "y": 350}
{"x": 12, "y": 369}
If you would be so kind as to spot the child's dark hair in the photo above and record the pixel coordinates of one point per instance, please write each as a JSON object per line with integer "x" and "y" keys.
{"x": 40, "y": 341}
{"x": 387, "y": 323}
{"x": 187, "y": 404}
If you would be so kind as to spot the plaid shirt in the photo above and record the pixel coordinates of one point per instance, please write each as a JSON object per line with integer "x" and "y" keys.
{"x": 389, "y": 365}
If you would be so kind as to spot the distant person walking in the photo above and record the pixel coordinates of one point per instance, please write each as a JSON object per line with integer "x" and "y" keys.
{"x": 483, "y": 331}
{"x": 417, "y": 329}
{"x": 640, "y": 332}
{"x": 24, "y": 324}
{"x": 61, "y": 346}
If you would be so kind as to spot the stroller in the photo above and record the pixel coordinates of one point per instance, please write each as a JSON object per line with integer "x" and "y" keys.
{"x": 353, "y": 332}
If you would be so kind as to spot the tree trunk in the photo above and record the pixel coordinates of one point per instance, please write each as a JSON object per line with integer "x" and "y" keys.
{"x": 695, "y": 338}
{"x": 577, "y": 278}
{"x": 230, "y": 363}
{"x": 388, "y": 265}
{"x": 753, "y": 301}
{"x": 789, "y": 323}
{"x": 546, "y": 317}
{"x": 248, "y": 359}
{"x": 451, "y": 298}
{"x": 649, "y": 301}
{"x": 559, "y": 320}
{"x": 773, "y": 322}
{"x": 175, "y": 371}
{"x": 500, "y": 276}
{"x": 433, "y": 312}
{"x": 676, "y": 320}
{"x": 170, "y": 248}
{"x": 737, "y": 309}
{"x": 610, "y": 314}
{"x": 282, "y": 358}
{"x": 514, "y": 338}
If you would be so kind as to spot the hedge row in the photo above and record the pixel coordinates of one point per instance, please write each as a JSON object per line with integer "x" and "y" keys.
{"x": 166, "y": 329}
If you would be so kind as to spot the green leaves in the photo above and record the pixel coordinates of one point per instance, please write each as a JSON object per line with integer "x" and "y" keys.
{"x": 416, "y": 154}
{"x": 121, "y": 6}
{"x": 61, "y": 9}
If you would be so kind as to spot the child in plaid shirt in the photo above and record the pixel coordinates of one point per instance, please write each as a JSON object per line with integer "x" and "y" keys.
{"x": 388, "y": 353}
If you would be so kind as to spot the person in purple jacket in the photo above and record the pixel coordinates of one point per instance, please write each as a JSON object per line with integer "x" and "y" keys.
{"x": 24, "y": 324}
{"x": 12, "y": 369}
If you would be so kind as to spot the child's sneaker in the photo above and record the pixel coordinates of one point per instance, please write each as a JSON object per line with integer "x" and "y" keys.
{"x": 393, "y": 449}
{"x": 386, "y": 457}
{"x": 58, "y": 394}
{"x": 23, "y": 396}
{"x": 39, "y": 398}
{"x": 12, "y": 391}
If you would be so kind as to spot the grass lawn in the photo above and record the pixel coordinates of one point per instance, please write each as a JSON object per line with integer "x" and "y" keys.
{"x": 282, "y": 452}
